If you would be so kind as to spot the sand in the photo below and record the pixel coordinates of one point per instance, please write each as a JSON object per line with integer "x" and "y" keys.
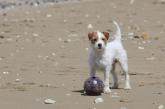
{"x": 44, "y": 52}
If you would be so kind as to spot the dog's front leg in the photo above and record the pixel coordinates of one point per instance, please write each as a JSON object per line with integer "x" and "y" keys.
{"x": 92, "y": 71}
{"x": 106, "y": 80}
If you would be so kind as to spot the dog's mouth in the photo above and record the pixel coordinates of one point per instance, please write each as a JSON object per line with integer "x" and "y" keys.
{"x": 99, "y": 47}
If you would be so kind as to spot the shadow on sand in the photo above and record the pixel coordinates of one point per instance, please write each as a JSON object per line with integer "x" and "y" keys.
{"x": 84, "y": 94}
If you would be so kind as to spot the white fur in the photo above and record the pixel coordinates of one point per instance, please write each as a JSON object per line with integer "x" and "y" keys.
{"x": 104, "y": 58}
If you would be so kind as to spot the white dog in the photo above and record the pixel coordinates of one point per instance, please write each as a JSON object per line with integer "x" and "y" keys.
{"x": 105, "y": 55}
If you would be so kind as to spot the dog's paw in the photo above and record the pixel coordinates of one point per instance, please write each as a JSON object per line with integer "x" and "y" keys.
{"x": 114, "y": 87}
{"x": 107, "y": 90}
{"x": 127, "y": 88}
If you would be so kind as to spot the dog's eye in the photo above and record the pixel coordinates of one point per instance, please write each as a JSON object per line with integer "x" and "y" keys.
{"x": 94, "y": 40}
{"x": 103, "y": 39}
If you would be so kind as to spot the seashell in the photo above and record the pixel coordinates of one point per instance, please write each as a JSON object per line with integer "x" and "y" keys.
{"x": 49, "y": 101}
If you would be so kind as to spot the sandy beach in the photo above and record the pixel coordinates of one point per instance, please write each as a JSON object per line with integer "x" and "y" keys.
{"x": 44, "y": 53}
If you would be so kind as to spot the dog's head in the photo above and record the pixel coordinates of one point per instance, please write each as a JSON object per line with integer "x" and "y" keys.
{"x": 98, "y": 40}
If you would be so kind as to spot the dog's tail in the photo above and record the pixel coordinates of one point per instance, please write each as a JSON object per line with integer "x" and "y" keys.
{"x": 118, "y": 31}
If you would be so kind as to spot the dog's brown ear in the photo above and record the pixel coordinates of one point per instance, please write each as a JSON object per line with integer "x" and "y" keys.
{"x": 106, "y": 34}
{"x": 90, "y": 35}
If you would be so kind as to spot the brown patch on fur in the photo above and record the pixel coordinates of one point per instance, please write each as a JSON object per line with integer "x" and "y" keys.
{"x": 106, "y": 34}
{"x": 93, "y": 37}
{"x": 105, "y": 40}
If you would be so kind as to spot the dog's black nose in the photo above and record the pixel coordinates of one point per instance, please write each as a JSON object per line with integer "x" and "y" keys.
{"x": 99, "y": 45}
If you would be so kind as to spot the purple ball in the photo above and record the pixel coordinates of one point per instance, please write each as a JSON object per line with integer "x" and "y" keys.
{"x": 93, "y": 86}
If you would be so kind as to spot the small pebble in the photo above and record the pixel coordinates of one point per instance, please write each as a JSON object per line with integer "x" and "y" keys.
{"x": 17, "y": 36}
{"x": 99, "y": 100}
{"x": 150, "y": 58}
{"x": 68, "y": 40}
{"x": 124, "y": 100}
{"x": 49, "y": 101}
{"x": 130, "y": 34}
{"x": 0, "y": 59}
{"x": 40, "y": 72}
{"x": 90, "y": 26}
{"x": 48, "y": 15}
{"x": 141, "y": 48}
{"x": 161, "y": 107}
{"x": 35, "y": 34}
{"x": 137, "y": 37}
{"x": 46, "y": 57}
{"x": 35, "y": 4}
{"x": 68, "y": 94}
{"x": 48, "y": 85}
{"x": 17, "y": 80}
{"x": 54, "y": 54}
{"x": 5, "y": 73}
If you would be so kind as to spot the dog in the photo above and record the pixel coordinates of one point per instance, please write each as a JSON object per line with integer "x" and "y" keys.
{"x": 105, "y": 54}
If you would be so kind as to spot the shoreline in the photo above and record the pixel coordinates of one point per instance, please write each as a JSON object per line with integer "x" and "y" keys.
{"x": 7, "y": 5}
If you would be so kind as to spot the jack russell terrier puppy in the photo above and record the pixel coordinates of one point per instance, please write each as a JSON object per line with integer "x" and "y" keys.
{"x": 104, "y": 54}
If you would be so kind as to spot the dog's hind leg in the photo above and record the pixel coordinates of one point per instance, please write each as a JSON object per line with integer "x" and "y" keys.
{"x": 124, "y": 65}
{"x": 114, "y": 76}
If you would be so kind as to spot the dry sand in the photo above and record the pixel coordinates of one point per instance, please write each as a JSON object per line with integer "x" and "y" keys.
{"x": 44, "y": 51}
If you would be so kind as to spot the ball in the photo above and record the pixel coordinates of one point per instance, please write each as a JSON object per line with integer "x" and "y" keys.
{"x": 93, "y": 86}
